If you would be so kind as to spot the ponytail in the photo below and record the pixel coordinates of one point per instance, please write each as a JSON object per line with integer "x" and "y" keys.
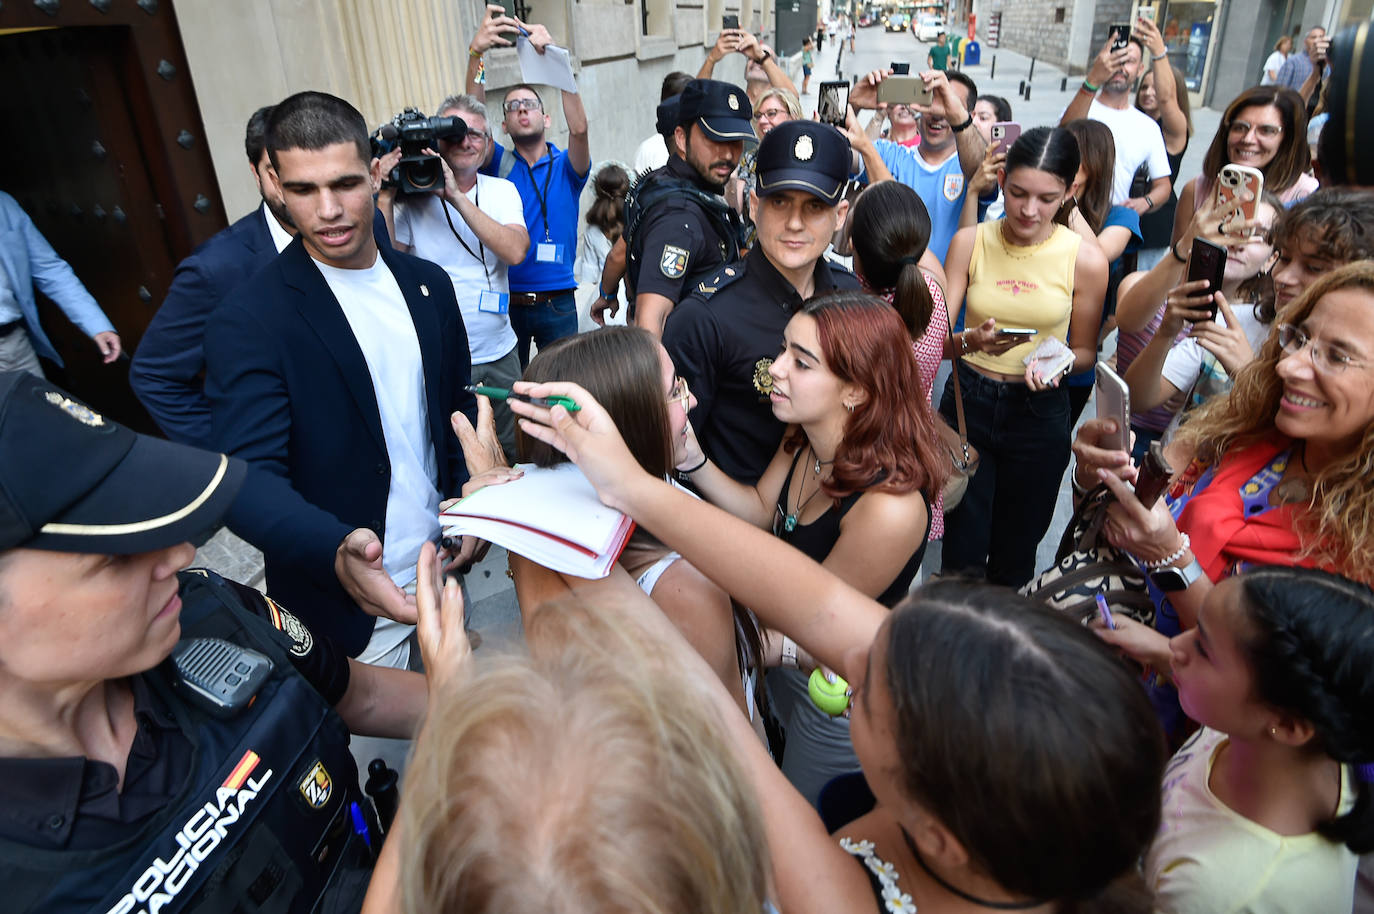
{"x": 912, "y": 299}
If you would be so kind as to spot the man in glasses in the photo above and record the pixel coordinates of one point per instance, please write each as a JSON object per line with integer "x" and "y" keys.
{"x": 473, "y": 227}
{"x": 550, "y": 181}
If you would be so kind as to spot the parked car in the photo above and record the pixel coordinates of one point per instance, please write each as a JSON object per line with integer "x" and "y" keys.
{"x": 929, "y": 28}
{"x": 897, "y": 22}
{"x": 866, "y": 20}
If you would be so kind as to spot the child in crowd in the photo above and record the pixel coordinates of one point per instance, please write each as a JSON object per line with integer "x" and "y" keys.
{"x": 1267, "y": 805}
{"x": 605, "y": 222}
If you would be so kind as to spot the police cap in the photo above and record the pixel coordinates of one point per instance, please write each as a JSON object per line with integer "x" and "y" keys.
{"x": 722, "y": 110}
{"x": 72, "y": 480}
{"x": 803, "y": 155}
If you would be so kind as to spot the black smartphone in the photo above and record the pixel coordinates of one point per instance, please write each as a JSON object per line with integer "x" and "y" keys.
{"x": 729, "y": 21}
{"x": 1154, "y": 475}
{"x": 1207, "y": 261}
{"x": 899, "y": 69}
{"x": 1121, "y": 35}
{"x": 833, "y": 103}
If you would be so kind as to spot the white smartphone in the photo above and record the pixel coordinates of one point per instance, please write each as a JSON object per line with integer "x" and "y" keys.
{"x": 1113, "y": 399}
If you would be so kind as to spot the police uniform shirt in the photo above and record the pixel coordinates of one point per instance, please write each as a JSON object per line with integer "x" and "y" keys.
{"x": 676, "y": 241}
{"x": 722, "y": 338}
{"x": 76, "y": 803}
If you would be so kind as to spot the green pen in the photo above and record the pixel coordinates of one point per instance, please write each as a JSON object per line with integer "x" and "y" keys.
{"x": 500, "y": 393}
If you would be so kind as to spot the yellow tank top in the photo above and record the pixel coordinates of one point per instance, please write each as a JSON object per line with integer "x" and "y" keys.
{"x": 1020, "y": 287}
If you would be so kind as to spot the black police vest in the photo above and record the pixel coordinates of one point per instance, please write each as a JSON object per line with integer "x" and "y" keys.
{"x": 658, "y": 186}
{"x": 263, "y": 823}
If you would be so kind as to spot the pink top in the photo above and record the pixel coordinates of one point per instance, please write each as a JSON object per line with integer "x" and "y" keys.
{"x": 930, "y": 351}
{"x": 1128, "y": 347}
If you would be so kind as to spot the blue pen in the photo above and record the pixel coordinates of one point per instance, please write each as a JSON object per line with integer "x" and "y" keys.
{"x": 1104, "y": 612}
{"x": 360, "y": 824}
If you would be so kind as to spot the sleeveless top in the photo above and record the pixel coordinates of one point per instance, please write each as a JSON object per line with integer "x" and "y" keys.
{"x": 817, "y": 538}
{"x": 1020, "y": 287}
{"x": 1158, "y": 227}
{"x": 883, "y": 876}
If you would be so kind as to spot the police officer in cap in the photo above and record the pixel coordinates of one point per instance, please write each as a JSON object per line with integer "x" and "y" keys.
{"x": 723, "y": 336}
{"x": 678, "y": 227}
{"x": 217, "y": 780}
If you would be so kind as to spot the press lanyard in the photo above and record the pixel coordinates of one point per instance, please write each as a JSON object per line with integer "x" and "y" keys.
{"x": 479, "y": 257}
{"x": 541, "y": 197}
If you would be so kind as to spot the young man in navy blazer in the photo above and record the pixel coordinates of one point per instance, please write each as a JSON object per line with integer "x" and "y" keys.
{"x": 334, "y": 371}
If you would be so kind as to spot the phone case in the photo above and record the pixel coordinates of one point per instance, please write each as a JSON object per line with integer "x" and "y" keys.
{"x": 903, "y": 90}
{"x": 1113, "y": 399}
{"x": 1238, "y": 190}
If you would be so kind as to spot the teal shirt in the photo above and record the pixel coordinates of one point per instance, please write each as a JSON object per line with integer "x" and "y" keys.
{"x": 939, "y": 56}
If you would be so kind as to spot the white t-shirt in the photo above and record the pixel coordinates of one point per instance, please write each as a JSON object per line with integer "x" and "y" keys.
{"x": 1209, "y": 859}
{"x": 651, "y": 154}
{"x": 1275, "y": 61}
{"x": 1138, "y": 140}
{"x": 1187, "y": 362}
{"x": 420, "y": 223}
{"x": 376, "y": 311}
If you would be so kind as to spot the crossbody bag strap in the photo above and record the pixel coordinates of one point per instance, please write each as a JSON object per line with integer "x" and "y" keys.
{"x": 958, "y": 397}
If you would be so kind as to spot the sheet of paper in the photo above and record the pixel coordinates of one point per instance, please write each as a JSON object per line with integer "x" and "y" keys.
{"x": 552, "y": 68}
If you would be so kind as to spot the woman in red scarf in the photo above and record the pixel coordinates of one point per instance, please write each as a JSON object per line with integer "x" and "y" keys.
{"x": 1280, "y": 472}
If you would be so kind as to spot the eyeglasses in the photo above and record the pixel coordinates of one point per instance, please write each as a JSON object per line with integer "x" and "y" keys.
{"x": 771, "y": 114}
{"x": 1325, "y": 357}
{"x": 1268, "y": 131}
{"x": 522, "y": 104}
{"x": 680, "y": 393}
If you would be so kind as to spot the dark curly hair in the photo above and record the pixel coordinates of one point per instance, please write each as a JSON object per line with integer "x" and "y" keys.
{"x": 1311, "y": 647}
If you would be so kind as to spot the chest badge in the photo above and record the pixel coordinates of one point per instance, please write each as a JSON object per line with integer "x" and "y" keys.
{"x": 316, "y": 786}
{"x": 763, "y": 381}
{"x": 673, "y": 261}
{"x": 954, "y": 186}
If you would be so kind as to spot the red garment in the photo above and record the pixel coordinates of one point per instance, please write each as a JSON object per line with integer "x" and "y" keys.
{"x": 1222, "y": 537}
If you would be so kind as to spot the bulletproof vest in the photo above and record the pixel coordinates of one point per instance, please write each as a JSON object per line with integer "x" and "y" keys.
{"x": 660, "y": 185}
{"x": 263, "y": 823}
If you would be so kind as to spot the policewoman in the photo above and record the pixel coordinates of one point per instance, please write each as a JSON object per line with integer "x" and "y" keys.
{"x": 130, "y": 782}
{"x": 725, "y": 334}
{"x": 678, "y": 228}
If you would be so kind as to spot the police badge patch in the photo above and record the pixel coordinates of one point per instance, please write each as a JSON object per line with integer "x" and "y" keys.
{"x": 954, "y": 186}
{"x": 316, "y": 786}
{"x": 763, "y": 381}
{"x": 673, "y": 261}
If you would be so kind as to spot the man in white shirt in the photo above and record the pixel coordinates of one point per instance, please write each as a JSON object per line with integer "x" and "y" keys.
{"x": 474, "y": 227}
{"x": 1105, "y": 96}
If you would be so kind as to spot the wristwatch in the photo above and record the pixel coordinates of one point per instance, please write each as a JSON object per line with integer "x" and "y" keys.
{"x": 1171, "y": 580}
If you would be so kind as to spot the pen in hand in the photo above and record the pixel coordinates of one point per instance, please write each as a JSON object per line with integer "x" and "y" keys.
{"x": 501, "y": 393}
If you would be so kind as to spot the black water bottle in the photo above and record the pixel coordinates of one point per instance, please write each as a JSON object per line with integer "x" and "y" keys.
{"x": 381, "y": 787}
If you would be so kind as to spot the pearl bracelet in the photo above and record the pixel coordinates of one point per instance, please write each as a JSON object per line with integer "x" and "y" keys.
{"x": 1170, "y": 558}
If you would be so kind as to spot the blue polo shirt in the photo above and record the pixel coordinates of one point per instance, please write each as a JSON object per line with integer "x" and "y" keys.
{"x": 550, "y": 191}
{"x": 940, "y": 187}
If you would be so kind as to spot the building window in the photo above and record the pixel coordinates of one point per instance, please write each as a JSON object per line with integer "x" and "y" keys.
{"x": 1059, "y": 14}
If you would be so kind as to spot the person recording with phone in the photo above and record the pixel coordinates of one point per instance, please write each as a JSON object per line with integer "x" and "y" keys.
{"x": 1304, "y": 72}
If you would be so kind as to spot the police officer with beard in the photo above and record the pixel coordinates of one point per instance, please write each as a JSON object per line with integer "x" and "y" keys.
{"x": 678, "y": 227}
{"x": 170, "y": 741}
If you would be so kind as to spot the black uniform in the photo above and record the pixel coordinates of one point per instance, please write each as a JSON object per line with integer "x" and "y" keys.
{"x": 253, "y": 812}
{"x": 679, "y": 231}
{"x": 722, "y": 338}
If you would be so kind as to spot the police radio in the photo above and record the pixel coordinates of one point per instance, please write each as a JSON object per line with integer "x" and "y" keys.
{"x": 217, "y": 676}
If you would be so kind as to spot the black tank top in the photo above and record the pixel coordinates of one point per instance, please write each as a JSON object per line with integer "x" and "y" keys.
{"x": 1157, "y": 228}
{"x": 817, "y": 538}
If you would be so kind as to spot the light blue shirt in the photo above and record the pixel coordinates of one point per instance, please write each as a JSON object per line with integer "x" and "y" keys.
{"x": 940, "y": 187}
{"x": 26, "y": 260}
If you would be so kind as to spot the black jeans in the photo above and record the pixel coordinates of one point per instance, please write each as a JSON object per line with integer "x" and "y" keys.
{"x": 1023, "y": 444}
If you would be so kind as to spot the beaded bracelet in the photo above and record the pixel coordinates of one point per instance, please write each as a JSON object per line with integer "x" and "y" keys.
{"x": 1170, "y": 558}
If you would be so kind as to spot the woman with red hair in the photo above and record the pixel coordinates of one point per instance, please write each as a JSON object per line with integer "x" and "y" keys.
{"x": 851, "y": 485}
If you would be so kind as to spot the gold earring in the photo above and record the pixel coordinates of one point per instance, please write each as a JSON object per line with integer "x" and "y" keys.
{"x": 1273, "y": 731}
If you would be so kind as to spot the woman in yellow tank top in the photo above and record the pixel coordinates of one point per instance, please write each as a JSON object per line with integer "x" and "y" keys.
{"x": 1026, "y": 272}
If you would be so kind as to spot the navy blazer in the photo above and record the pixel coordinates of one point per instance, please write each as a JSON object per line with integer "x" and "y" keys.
{"x": 166, "y": 373}
{"x": 290, "y": 392}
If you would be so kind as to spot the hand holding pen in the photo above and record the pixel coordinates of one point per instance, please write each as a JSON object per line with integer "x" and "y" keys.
{"x": 501, "y": 393}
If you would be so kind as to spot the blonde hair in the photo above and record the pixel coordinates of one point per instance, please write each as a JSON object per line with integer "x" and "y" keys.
{"x": 788, "y": 100}
{"x": 1337, "y": 529}
{"x": 583, "y": 778}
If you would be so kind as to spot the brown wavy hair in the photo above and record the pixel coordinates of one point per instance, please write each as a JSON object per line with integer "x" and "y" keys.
{"x": 1293, "y": 156}
{"x": 1337, "y": 529}
{"x": 890, "y": 443}
{"x": 1097, "y": 151}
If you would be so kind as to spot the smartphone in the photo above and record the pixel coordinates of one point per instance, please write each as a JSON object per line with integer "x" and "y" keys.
{"x": 1154, "y": 476}
{"x": 1238, "y": 189}
{"x": 1121, "y": 35}
{"x": 1017, "y": 331}
{"x": 1207, "y": 261}
{"x": 899, "y": 69}
{"x": 1004, "y": 133}
{"x": 1113, "y": 398}
{"x": 833, "y": 102}
{"x": 1145, "y": 11}
{"x": 729, "y": 21}
{"x": 903, "y": 90}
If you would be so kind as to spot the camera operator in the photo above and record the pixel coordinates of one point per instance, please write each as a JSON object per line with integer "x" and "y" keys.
{"x": 474, "y": 227}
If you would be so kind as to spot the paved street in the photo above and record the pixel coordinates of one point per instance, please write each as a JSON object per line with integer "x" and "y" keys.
{"x": 493, "y": 611}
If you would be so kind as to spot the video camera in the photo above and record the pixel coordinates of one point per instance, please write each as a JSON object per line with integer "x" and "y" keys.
{"x": 416, "y": 173}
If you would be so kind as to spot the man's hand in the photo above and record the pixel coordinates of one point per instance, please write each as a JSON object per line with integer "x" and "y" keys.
{"x": 109, "y": 345}
{"x": 539, "y": 37}
{"x": 491, "y": 33}
{"x": 439, "y": 628}
{"x": 1106, "y": 63}
{"x": 604, "y": 306}
{"x": 386, "y": 196}
{"x": 1137, "y": 204}
{"x": 944, "y": 101}
{"x": 358, "y": 566}
{"x": 727, "y": 42}
{"x": 750, "y": 47}
{"x": 481, "y": 447}
{"x": 450, "y": 191}
{"x": 1319, "y": 52}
